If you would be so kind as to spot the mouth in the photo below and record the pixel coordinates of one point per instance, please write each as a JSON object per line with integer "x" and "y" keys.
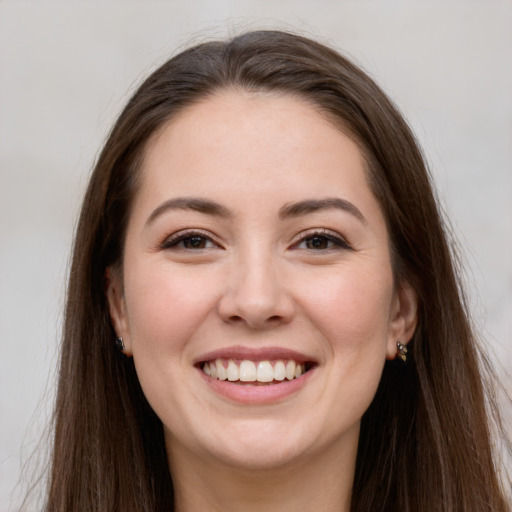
{"x": 256, "y": 376}
{"x": 254, "y": 372}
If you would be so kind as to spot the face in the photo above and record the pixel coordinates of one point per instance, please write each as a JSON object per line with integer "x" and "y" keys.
{"x": 257, "y": 253}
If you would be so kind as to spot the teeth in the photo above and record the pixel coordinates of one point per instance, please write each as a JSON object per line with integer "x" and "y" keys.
{"x": 290, "y": 370}
{"x": 221, "y": 371}
{"x": 249, "y": 371}
{"x": 265, "y": 372}
{"x": 279, "y": 370}
{"x": 233, "y": 371}
{"x": 213, "y": 370}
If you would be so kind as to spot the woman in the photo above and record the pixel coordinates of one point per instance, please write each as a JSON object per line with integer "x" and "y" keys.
{"x": 263, "y": 312}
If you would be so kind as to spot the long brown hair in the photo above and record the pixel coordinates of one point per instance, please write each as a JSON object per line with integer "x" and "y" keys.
{"x": 425, "y": 442}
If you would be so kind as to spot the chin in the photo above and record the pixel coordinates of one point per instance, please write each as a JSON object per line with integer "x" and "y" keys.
{"x": 260, "y": 458}
{"x": 261, "y": 444}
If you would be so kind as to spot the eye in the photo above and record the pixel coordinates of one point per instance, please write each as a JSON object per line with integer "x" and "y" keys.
{"x": 189, "y": 240}
{"x": 321, "y": 240}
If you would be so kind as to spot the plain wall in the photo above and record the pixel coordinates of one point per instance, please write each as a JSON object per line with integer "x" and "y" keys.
{"x": 67, "y": 68}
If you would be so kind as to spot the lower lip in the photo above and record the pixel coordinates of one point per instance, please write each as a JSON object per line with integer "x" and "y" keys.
{"x": 257, "y": 394}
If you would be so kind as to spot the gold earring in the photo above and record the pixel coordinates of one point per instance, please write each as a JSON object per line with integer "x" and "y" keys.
{"x": 402, "y": 351}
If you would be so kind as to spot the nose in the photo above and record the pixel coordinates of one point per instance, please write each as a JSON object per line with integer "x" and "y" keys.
{"x": 256, "y": 294}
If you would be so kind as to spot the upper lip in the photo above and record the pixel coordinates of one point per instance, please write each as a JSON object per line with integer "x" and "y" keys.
{"x": 255, "y": 354}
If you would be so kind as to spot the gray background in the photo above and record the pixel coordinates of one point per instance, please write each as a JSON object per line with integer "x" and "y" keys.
{"x": 66, "y": 70}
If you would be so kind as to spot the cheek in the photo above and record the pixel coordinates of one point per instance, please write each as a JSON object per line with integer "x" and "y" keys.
{"x": 166, "y": 306}
{"x": 353, "y": 316}
{"x": 351, "y": 308}
{"x": 166, "y": 309}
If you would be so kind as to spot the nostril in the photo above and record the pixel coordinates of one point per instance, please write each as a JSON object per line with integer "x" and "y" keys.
{"x": 237, "y": 319}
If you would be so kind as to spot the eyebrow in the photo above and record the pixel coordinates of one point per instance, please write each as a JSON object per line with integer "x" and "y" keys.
{"x": 196, "y": 204}
{"x": 313, "y": 205}
{"x": 291, "y": 210}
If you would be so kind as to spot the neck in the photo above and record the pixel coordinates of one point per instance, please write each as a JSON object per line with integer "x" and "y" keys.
{"x": 322, "y": 482}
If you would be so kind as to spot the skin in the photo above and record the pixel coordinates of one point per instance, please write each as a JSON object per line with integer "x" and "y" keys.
{"x": 259, "y": 280}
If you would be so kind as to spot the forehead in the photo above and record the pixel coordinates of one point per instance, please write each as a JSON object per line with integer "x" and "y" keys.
{"x": 239, "y": 136}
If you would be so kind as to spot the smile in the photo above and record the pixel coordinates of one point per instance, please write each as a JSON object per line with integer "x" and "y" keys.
{"x": 256, "y": 376}
{"x": 247, "y": 371}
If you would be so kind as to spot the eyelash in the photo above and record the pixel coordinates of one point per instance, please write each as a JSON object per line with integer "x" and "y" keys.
{"x": 322, "y": 234}
{"x": 177, "y": 238}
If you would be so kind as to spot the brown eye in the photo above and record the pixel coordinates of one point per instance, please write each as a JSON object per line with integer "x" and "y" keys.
{"x": 194, "y": 242}
{"x": 189, "y": 241}
{"x": 318, "y": 242}
{"x": 322, "y": 241}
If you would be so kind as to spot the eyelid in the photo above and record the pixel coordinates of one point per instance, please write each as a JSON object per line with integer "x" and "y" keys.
{"x": 175, "y": 238}
{"x": 332, "y": 236}
{"x": 339, "y": 240}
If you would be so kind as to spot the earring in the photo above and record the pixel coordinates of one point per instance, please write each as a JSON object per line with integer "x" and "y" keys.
{"x": 402, "y": 351}
{"x": 120, "y": 344}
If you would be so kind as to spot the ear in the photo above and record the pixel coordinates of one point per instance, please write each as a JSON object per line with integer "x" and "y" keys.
{"x": 403, "y": 318}
{"x": 117, "y": 307}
